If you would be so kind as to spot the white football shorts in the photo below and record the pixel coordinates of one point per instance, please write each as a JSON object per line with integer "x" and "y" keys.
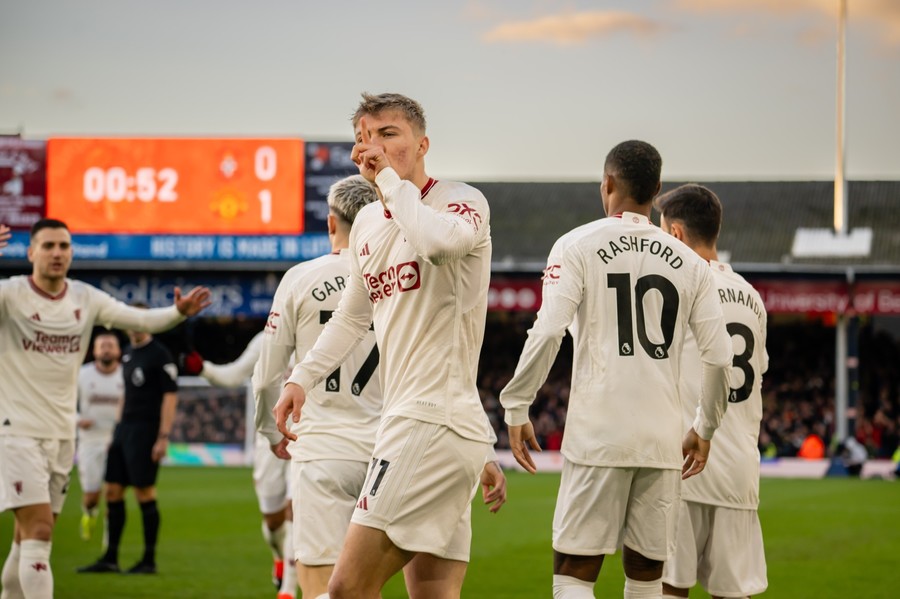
{"x": 720, "y": 547}
{"x": 324, "y": 496}
{"x": 599, "y": 509}
{"x": 270, "y": 477}
{"x": 420, "y": 485}
{"x": 92, "y": 463}
{"x": 34, "y": 471}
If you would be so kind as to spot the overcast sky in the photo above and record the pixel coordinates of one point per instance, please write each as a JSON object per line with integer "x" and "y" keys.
{"x": 512, "y": 89}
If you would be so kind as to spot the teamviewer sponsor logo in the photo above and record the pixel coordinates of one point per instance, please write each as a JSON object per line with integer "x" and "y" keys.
{"x": 396, "y": 279}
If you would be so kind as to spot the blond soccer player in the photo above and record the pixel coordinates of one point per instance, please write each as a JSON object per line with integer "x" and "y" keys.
{"x": 419, "y": 270}
{"x": 336, "y": 435}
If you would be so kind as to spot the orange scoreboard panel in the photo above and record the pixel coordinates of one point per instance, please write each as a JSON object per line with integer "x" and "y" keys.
{"x": 176, "y": 185}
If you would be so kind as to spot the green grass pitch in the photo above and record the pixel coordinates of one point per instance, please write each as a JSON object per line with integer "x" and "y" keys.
{"x": 824, "y": 538}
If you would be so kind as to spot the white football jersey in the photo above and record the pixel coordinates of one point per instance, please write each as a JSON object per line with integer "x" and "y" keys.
{"x": 628, "y": 293}
{"x": 237, "y": 373}
{"x": 43, "y": 341}
{"x": 100, "y": 397}
{"x": 731, "y": 476}
{"x": 341, "y": 414}
{"x": 421, "y": 271}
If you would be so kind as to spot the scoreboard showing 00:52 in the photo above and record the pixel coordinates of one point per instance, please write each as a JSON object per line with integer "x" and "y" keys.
{"x": 176, "y": 185}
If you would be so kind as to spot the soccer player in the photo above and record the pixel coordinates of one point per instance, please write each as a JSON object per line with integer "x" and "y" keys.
{"x": 270, "y": 474}
{"x": 628, "y": 293}
{"x": 419, "y": 268}
{"x": 46, "y": 321}
{"x": 101, "y": 391}
{"x": 336, "y": 435}
{"x": 139, "y": 444}
{"x": 718, "y": 537}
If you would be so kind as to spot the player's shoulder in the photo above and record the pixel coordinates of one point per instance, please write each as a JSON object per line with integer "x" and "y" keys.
{"x": 453, "y": 192}
{"x": 313, "y": 270}
{"x": 579, "y": 233}
{"x": 86, "y": 369}
{"x": 725, "y": 276}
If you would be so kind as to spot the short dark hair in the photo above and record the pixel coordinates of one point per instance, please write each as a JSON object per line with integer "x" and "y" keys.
{"x": 696, "y": 207}
{"x": 637, "y": 166}
{"x": 375, "y": 104}
{"x": 47, "y": 223}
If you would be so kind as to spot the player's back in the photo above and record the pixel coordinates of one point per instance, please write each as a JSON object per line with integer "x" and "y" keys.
{"x": 638, "y": 290}
{"x": 731, "y": 477}
{"x": 341, "y": 413}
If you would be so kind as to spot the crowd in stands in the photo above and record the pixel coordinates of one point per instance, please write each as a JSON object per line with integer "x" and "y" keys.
{"x": 798, "y": 390}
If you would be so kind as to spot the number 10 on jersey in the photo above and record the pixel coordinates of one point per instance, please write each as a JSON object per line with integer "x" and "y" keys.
{"x": 630, "y": 301}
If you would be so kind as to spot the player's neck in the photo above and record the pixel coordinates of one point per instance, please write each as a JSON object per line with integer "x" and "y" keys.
{"x": 420, "y": 178}
{"x": 106, "y": 368}
{"x": 51, "y": 286}
{"x": 629, "y": 205}
{"x": 339, "y": 241}
{"x": 707, "y": 253}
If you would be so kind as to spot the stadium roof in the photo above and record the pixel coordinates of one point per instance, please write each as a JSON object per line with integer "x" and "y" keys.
{"x": 761, "y": 219}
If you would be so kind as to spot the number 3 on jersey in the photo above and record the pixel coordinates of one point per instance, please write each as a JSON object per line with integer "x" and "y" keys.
{"x": 625, "y": 309}
{"x": 742, "y": 361}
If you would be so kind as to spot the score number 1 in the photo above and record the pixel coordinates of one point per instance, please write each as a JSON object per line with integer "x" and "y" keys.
{"x": 265, "y": 165}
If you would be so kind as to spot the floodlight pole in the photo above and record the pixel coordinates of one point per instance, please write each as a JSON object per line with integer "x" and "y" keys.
{"x": 842, "y": 397}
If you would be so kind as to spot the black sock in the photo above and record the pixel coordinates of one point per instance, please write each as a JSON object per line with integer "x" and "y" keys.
{"x": 151, "y": 530}
{"x": 115, "y": 520}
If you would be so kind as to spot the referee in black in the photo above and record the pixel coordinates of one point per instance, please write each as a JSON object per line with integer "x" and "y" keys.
{"x": 139, "y": 443}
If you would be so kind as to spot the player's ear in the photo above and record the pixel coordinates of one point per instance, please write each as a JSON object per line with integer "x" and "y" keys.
{"x": 424, "y": 144}
{"x": 332, "y": 224}
{"x": 30, "y": 253}
{"x": 676, "y": 229}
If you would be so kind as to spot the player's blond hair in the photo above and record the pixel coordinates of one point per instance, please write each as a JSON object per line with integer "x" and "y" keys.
{"x": 347, "y": 196}
{"x": 375, "y": 104}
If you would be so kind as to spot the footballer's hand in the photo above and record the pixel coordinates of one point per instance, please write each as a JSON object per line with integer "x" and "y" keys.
{"x": 368, "y": 156}
{"x": 520, "y": 439}
{"x": 695, "y": 450}
{"x": 4, "y": 237}
{"x": 85, "y": 423}
{"x": 191, "y": 363}
{"x": 289, "y": 404}
{"x": 159, "y": 449}
{"x": 197, "y": 299}
{"x": 280, "y": 449}
{"x": 493, "y": 486}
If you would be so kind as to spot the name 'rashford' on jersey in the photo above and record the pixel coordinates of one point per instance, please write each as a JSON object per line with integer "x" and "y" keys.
{"x": 421, "y": 273}
{"x": 340, "y": 417}
{"x": 100, "y": 397}
{"x": 731, "y": 477}
{"x": 628, "y": 293}
{"x": 43, "y": 341}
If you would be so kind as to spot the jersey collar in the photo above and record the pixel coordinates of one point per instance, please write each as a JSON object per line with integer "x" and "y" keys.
{"x": 632, "y": 217}
{"x": 44, "y": 294}
{"x": 720, "y": 266}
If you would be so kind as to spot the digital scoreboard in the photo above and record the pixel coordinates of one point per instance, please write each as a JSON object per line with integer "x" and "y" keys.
{"x": 177, "y": 186}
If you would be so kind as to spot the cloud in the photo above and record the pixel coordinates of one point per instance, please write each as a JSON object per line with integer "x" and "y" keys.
{"x": 884, "y": 15}
{"x": 572, "y": 28}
